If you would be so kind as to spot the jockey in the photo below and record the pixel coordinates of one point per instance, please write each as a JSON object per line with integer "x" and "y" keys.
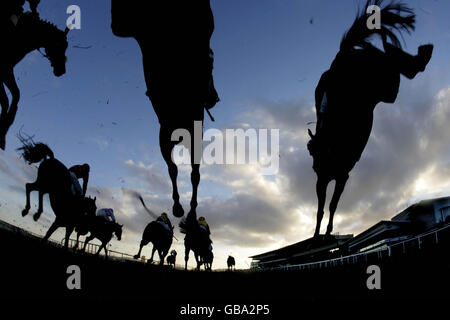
{"x": 79, "y": 172}
{"x": 203, "y": 224}
{"x": 107, "y": 214}
{"x": 163, "y": 220}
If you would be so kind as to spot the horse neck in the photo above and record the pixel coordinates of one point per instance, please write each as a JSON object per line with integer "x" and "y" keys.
{"x": 32, "y": 35}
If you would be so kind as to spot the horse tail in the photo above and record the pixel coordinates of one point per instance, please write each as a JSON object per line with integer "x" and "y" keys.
{"x": 35, "y": 152}
{"x": 395, "y": 17}
{"x": 138, "y": 196}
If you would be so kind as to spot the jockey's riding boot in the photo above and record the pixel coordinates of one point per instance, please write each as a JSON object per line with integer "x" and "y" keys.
{"x": 424, "y": 56}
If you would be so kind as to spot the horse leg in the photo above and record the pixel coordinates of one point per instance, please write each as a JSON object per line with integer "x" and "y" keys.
{"x": 37, "y": 215}
{"x": 338, "y": 189}
{"x": 153, "y": 253}
{"x": 143, "y": 244}
{"x": 407, "y": 64}
{"x": 321, "y": 190}
{"x": 86, "y": 241}
{"x": 166, "y": 146}
{"x": 29, "y": 187}
{"x": 100, "y": 249}
{"x": 195, "y": 180}
{"x": 69, "y": 231}
{"x": 105, "y": 245}
{"x": 78, "y": 239}
{"x": 186, "y": 257}
{"x": 195, "y": 174}
{"x": 198, "y": 260}
{"x": 162, "y": 256}
{"x": 53, "y": 227}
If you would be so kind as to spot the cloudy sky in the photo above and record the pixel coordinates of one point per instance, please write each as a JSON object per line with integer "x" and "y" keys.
{"x": 269, "y": 57}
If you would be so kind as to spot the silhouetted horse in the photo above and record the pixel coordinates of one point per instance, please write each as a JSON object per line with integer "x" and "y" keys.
{"x": 231, "y": 263}
{"x": 54, "y": 178}
{"x": 98, "y": 229}
{"x": 197, "y": 239}
{"x": 172, "y": 258}
{"x": 174, "y": 37}
{"x": 161, "y": 239}
{"x": 360, "y": 77}
{"x": 30, "y": 33}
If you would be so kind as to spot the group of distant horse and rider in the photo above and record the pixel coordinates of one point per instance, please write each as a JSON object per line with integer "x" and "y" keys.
{"x": 178, "y": 64}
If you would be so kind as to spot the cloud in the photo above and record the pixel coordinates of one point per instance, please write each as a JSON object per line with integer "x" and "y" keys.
{"x": 406, "y": 160}
{"x": 151, "y": 175}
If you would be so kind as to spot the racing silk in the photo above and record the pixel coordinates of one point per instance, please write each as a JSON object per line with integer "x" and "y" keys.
{"x": 165, "y": 222}
{"x": 165, "y": 225}
{"x": 107, "y": 214}
{"x": 76, "y": 187}
{"x": 204, "y": 225}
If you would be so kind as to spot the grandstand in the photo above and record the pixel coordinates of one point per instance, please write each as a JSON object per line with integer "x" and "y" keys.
{"x": 428, "y": 219}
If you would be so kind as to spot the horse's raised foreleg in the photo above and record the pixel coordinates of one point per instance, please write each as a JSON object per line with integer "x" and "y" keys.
{"x": 166, "y": 146}
{"x": 37, "y": 215}
{"x": 143, "y": 244}
{"x": 321, "y": 190}
{"x": 338, "y": 189}
{"x": 29, "y": 187}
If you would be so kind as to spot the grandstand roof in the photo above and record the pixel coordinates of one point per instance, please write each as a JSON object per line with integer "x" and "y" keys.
{"x": 303, "y": 249}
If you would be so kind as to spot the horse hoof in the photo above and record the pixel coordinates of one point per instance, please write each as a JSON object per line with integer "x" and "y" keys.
{"x": 25, "y": 212}
{"x": 36, "y": 216}
{"x": 178, "y": 210}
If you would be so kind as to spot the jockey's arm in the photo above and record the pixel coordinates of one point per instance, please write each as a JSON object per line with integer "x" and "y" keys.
{"x": 85, "y": 183}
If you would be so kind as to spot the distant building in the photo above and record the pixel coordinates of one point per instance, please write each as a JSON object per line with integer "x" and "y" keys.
{"x": 305, "y": 251}
{"x": 419, "y": 218}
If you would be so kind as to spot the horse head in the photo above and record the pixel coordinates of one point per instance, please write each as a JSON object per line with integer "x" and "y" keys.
{"x": 118, "y": 230}
{"x": 55, "y": 50}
